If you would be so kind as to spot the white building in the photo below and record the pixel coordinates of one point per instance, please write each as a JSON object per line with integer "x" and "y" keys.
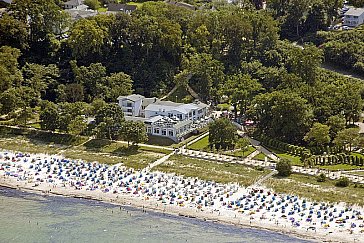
{"x": 73, "y": 4}
{"x": 354, "y": 17}
{"x": 164, "y": 118}
{"x": 134, "y": 105}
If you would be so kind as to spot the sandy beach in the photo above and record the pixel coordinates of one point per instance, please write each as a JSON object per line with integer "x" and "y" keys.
{"x": 234, "y": 205}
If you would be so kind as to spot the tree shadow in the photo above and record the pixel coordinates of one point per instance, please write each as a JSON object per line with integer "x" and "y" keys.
{"x": 126, "y": 151}
{"x": 97, "y": 144}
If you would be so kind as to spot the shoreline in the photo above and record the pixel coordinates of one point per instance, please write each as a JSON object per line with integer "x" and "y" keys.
{"x": 152, "y": 205}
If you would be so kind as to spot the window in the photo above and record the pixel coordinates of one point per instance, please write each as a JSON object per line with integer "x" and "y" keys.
{"x": 129, "y": 110}
{"x": 149, "y": 130}
{"x": 194, "y": 112}
{"x": 170, "y": 133}
{"x": 129, "y": 104}
{"x": 156, "y": 130}
{"x": 164, "y": 132}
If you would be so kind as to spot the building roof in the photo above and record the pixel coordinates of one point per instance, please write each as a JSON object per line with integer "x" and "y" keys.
{"x": 116, "y": 7}
{"x": 132, "y": 97}
{"x": 166, "y": 106}
{"x": 135, "y": 118}
{"x": 79, "y": 14}
{"x": 355, "y": 12}
{"x": 74, "y": 2}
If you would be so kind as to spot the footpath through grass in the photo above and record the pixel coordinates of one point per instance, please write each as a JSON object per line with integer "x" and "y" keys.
{"x": 211, "y": 171}
{"x": 308, "y": 187}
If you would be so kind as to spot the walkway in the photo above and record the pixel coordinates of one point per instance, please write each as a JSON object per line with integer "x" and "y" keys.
{"x": 264, "y": 178}
{"x": 158, "y": 162}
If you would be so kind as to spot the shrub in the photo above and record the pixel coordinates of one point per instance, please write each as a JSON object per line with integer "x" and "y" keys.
{"x": 321, "y": 177}
{"x": 284, "y": 168}
{"x": 342, "y": 182}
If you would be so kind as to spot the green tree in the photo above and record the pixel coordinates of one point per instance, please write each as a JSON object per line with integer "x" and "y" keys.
{"x": 77, "y": 126}
{"x": 242, "y": 144}
{"x": 336, "y": 124}
{"x": 90, "y": 78}
{"x": 357, "y": 3}
{"x": 284, "y": 168}
{"x": 10, "y": 75}
{"x": 222, "y": 134}
{"x": 115, "y": 85}
{"x": 207, "y": 75}
{"x": 347, "y": 137}
{"x": 241, "y": 89}
{"x": 108, "y": 121}
{"x": 134, "y": 132}
{"x": 86, "y": 38}
{"x": 42, "y": 17}
{"x": 13, "y": 32}
{"x": 8, "y": 101}
{"x": 318, "y": 135}
{"x": 39, "y": 77}
{"x": 281, "y": 114}
{"x": 49, "y": 116}
{"x": 96, "y": 105}
{"x": 93, "y": 4}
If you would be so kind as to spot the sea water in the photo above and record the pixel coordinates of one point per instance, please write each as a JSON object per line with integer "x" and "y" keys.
{"x": 27, "y": 217}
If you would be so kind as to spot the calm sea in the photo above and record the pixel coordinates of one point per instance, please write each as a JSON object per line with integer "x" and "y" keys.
{"x": 26, "y": 217}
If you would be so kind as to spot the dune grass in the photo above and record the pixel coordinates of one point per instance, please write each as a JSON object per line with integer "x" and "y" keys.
{"x": 308, "y": 187}
{"x": 211, "y": 171}
{"x": 101, "y": 150}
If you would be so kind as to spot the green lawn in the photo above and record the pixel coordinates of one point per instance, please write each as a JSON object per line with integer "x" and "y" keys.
{"x": 260, "y": 156}
{"x": 100, "y": 10}
{"x": 211, "y": 171}
{"x": 139, "y": 5}
{"x": 223, "y": 107}
{"x": 35, "y": 125}
{"x": 295, "y": 160}
{"x": 308, "y": 187}
{"x": 240, "y": 153}
{"x": 202, "y": 144}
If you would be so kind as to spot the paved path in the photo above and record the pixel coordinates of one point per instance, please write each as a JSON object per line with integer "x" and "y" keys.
{"x": 170, "y": 92}
{"x": 158, "y": 162}
{"x": 264, "y": 178}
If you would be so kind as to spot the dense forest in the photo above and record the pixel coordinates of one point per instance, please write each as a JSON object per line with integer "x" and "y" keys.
{"x": 61, "y": 70}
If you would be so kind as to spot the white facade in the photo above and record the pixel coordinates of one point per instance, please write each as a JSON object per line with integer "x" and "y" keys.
{"x": 354, "y": 17}
{"x": 181, "y": 111}
{"x": 73, "y": 4}
{"x": 164, "y": 118}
